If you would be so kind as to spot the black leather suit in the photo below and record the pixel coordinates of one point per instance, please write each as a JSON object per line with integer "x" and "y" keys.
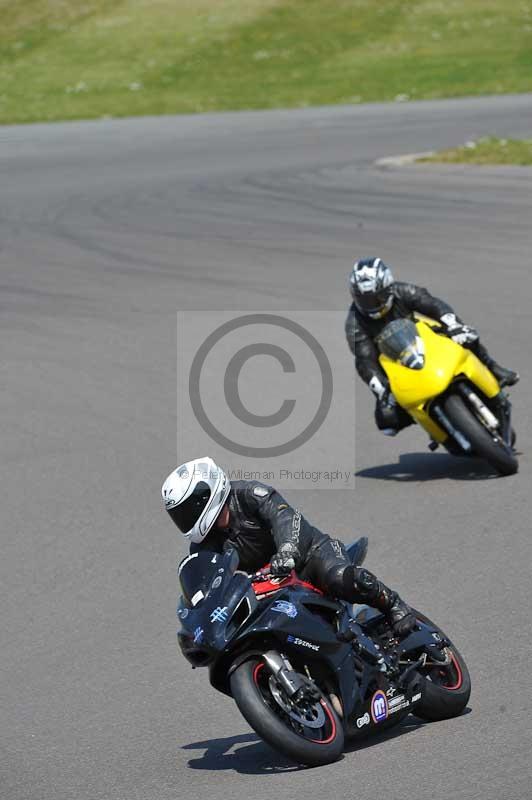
{"x": 261, "y": 522}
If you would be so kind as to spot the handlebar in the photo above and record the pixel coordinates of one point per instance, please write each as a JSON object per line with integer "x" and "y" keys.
{"x": 265, "y": 574}
{"x": 262, "y": 575}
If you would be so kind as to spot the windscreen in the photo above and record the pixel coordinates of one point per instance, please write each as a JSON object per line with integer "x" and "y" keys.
{"x": 197, "y": 573}
{"x": 400, "y": 341}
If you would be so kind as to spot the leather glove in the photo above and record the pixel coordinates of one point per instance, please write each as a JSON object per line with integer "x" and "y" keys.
{"x": 457, "y": 331}
{"x": 463, "y": 334}
{"x": 284, "y": 561}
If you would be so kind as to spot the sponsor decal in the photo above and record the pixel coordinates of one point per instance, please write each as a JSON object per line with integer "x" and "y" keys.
{"x": 396, "y": 700}
{"x": 416, "y": 697}
{"x": 379, "y": 706}
{"x": 436, "y": 636}
{"x": 302, "y": 643}
{"x": 365, "y": 720}
{"x": 391, "y": 691}
{"x": 296, "y": 527}
{"x": 260, "y": 491}
{"x": 284, "y": 607}
{"x": 182, "y": 613}
{"x": 198, "y": 635}
{"x": 217, "y": 581}
{"x": 337, "y": 547}
{"x": 196, "y": 598}
{"x": 398, "y": 704}
{"x": 219, "y": 614}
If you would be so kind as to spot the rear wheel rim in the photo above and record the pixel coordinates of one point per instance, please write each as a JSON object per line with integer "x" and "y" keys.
{"x": 448, "y": 677}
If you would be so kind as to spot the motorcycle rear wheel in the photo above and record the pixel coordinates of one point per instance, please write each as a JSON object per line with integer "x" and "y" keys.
{"x": 313, "y": 746}
{"x": 446, "y": 689}
{"x": 484, "y": 444}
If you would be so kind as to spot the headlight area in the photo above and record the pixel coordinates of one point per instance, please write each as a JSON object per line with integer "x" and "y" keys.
{"x": 197, "y": 655}
{"x": 207, "y": 629}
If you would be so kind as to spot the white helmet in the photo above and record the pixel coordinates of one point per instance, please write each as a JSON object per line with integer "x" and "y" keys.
{"x": 194, "y": 494}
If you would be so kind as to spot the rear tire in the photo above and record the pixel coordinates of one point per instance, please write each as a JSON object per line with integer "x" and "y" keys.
{"x": 484, "y": 444}
{"x": 445, "y": 691}
{"x": 250, "y": 690}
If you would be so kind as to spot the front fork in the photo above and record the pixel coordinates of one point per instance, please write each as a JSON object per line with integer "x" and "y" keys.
{"x": 503, "y": 409}
{"x": 496, "y": 415}
{"x": 296, "y": 686}
{"x": 496, "y": 412}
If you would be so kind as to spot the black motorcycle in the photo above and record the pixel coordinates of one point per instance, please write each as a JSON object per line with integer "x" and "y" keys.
{"x": 306, "y": 670}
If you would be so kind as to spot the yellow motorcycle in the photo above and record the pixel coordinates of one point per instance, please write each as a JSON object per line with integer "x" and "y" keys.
{"x": 447, "y": 390}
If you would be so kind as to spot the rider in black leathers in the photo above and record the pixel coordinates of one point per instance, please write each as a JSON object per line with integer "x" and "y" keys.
{"x": 377, "y": 300}
{"x": 263, "y": 528}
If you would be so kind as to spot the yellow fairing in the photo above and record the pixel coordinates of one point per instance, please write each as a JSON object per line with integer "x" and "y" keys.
{"x": 444, "y": 361}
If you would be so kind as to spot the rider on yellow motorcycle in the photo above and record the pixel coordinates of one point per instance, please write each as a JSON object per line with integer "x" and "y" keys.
{"x": 377, "y": 300}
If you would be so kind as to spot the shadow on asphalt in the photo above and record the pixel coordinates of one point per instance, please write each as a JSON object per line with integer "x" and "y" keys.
{"x": 409, "y": 725}
{"x": 430, "y": 467}
{"x": 257, "y": 758}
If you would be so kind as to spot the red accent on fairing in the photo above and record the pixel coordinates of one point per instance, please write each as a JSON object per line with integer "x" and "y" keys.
{"x": 268, "y": 587}
{"x": 459, "y": 680}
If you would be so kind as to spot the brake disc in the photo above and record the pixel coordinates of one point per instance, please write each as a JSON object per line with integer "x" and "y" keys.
{"x": 311, "y": 715}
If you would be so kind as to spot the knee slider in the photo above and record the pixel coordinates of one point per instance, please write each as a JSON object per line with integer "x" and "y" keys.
{"x": 386, "y": 417}
{"x": 365, "y": 583}
{"x": 339, "y": 578}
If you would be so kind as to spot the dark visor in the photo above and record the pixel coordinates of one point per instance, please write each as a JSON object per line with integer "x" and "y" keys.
{"x": 187, "y": 513}
{"x": 372, "y": 301}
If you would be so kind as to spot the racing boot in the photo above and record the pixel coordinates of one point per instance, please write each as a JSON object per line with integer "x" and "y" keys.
{"x": 389, "y": 417}
{"x": 505, "y": 377}
{"x": 399, "y": 615}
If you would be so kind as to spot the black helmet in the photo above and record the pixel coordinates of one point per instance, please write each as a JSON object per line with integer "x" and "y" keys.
{"x": 371, "y": 287}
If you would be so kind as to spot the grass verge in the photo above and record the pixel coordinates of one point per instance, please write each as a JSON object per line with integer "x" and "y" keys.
{"x": 67, "y": 59}
{"x": 489, "y": 150}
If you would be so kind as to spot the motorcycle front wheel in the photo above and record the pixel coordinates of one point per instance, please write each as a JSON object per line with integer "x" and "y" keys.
{"x": 308, "y": 732}
{"x": 484, "y": 444}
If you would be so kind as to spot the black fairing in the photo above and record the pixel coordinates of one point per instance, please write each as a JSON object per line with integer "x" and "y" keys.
{"x": 228, "y": 625}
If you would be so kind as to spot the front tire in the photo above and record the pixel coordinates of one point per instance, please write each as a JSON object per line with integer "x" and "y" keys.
{"x": 445, "y": 689}
{"x": 484, "y": 444}
{"x": 251, "y": 688}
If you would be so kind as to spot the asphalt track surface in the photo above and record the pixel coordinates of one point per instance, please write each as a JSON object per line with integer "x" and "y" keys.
{"x": 105, "y": 229}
